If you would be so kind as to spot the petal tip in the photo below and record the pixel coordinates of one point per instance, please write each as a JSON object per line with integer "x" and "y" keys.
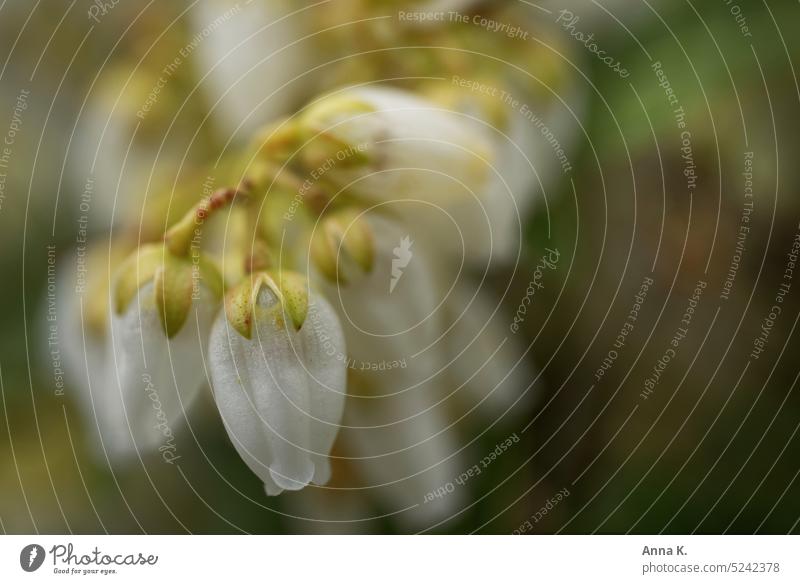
{"x": 292, "y": 479}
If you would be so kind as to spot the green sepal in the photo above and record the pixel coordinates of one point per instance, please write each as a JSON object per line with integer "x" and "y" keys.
{"x": 293, "y": 295}
{"x": 179, "y": 237}
{"x": 134, "y": 272}
{"x": 174, "y": 281}
{"x": 289, "y": 288}
{"x": 359, "y": 240}
{"x": 211, "y": 276}
{"x": 324, "y": 250}
{"x": 173, "y": 284}
{"x": 345, "y": 233}
{"x": 239, "y": 308}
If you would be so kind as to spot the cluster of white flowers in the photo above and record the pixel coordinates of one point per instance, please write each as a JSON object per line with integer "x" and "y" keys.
{"x": 342, "y": 298}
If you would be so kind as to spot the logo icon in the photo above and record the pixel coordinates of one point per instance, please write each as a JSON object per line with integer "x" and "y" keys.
{"x": 402, "y": 256}
{"x": 31, "y": 557}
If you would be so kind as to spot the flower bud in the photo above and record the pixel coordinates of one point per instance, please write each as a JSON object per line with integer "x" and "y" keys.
{"x": 281, "y": 393}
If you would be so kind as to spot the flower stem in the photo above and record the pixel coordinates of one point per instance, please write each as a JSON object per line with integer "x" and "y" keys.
{"x": 179, "y": 237}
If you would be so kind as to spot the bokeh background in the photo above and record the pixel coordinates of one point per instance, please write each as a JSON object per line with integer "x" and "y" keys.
{"x": 711, "y": 449}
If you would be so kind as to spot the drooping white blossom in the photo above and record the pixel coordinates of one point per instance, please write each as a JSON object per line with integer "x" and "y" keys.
{"x": 88, "y": 365}
{"x": 393, "y": 304}
{"x": 156, "y": 378}
{"x": 281, "y": 393}
{"x": 253, "y": 57}
{"x": 398, "y": 427}
{"x": 414, "y": 149}
{"x": 468, "y": 182}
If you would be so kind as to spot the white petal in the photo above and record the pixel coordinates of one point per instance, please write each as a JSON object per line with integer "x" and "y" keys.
{"x": 229, "y": 354}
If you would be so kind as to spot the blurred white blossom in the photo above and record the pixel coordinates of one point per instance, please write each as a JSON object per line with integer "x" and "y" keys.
{"x": 157, "y": 378}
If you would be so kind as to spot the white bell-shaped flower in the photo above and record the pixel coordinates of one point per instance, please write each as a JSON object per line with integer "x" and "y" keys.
{"x": 467, "y": 181}
{"x": 390, "y": 312}
{"x": 281, "y": 392}
{"x": 253, "y": 57}
{"x": 388, "y": 144}
{"x": 157, "y": 378}
{"x": 399, "y": 428}
{"x": 81, "y": 339}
